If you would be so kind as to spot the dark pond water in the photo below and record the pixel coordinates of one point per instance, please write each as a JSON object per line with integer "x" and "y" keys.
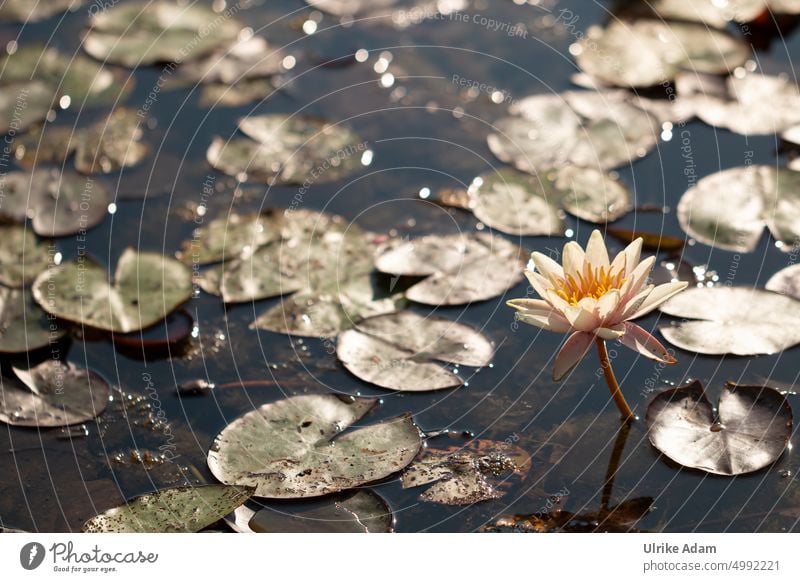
{"x": 425, "y": 132}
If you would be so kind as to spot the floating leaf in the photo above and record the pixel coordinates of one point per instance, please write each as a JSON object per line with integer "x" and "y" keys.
{"x": 584, "y": 129}
{"x": 396, "y": 11}
{"x": 646, "y": 52}
{"x": 53, "y": 394}
{"x": 730, "y": 209}
{"x": 293, "y": 448}
{"x": 405, "y": 351}
{"x": 24, "y": 327}
{"x": 720, "y": 14}
{"x": 769, "y": 324}
{"x": 752, "y": 104}
{"x": 28, "y": 12}
{"x": 181, "y": 510}
{"x": 287, "y": 149}
{"x": 460, "y": 268}
{"x": 59, "y": 204}
{"x": 227, "y": 238}
{"x": 145, "y": 289}
{"x": 23, "y": 105}
{"x": 236, "y": 95}
{"x": 46, "y": 144}
{"x": 749, "y": 431}
{"x": 22, "y": 257}
{"x": 111, "y": 144}
{"x": 148, "y": 32}
{"x": 477, "y": 471}
{"x": 359, "y": 512}
{"x": 250, "y": 58}
{"x": 786, "y": 282}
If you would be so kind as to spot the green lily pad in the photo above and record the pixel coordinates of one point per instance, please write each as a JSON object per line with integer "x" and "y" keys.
{"x": 24, "y": 327}
{"x": 730, "y": 209}
{"x": 719, "y": 14}
{"x": 22, "y": 257}
{"x": 148, "y": 32}
{"x": 296, "y": 447}
{"x": 27, "y": 11}
{"x": 406, "y": 352}
{"x": 786, "y": 282}
{"x": 111, "y": 143}
{"x": 177, "y": 510}
{"x": 23, "y": 105}
{"x": 580, "y": 128}
{"x": 769, "y": 324}
{"x": 481, "y": 470}
{"x": 46, "y": 144}
{"x": 227, "y": 238}
{"x": 749, "y": 431}
{"x": 460, "y": 268}
{"x": 53, "y": 394}
{"x": 645, "y": 53}
{"x": 145, "y": 289}
{"x": 286, "y": 149}
{"x": 249, "y": 58}
{"x": 59, "y": 204}
{"x": 236, "y": 95}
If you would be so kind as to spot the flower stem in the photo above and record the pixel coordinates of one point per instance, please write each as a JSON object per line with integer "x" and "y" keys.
{"x": 611, "y": 380}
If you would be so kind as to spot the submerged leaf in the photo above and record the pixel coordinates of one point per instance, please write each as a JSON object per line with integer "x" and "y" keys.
{"x": 361, "y": 512}
{"x": 22, "y": 257}
{"x": 460, "y": 268}
{"x": 585, "y": 129}
{"x": 24, "y": 327}
{"x": 644, "y": 53}
{"x": 730, "y": 209}
{"x": 749, "y": 431}
{"x": 53, "y": 394}
{"x": 181, "y": 509}
{"x": 145, "y": 289}
{"x": 477, "y": 471}
{"x": 769, "y": 324}
{"x": 288, "y": 149}
{"x": 293, "y": 448}
{"x": 404, "y": 351}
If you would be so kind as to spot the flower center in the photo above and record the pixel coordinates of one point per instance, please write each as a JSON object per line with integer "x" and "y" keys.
{"x": 591, "y": 283}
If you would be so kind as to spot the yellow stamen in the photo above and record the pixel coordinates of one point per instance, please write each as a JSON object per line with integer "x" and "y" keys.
{"x": 591, "y": 283}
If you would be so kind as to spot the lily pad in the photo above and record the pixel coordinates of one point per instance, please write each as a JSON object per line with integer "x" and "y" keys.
{"x": 59, "y": 204}
{"x": 23, "y": 105}
{"x": 53, "y": 394}
{"x": 748, "y": 432}
{"x": 730, "y": 209}
{"x": 460, "y": 268}
{"x": 28, "y": 12}
{"x": 720, "y": 14}
{"x": 644, "y": 53}
{"x": 786, "y": 282}
{"x": 752, "y": 105}
{"x": 22, "y": 257}
{"x": 288, "y": 149}
{"x": 145, "y": 289}
{"x": 148, "y": 32}
{"x": 24, "y": 327}
{"x": 111, "y": 143}
{"x": 296, "y": 447}
{"x": 361, "y": 512}
{"x": 405, "y": 351}
{"x": 769, "y": 324}
{"x": 579, "y": 128}
{"x": 227, "y": 238}
{"x": 46, "y": 144}
{"x": 181, "y": 510}
{"x": 236, "y": 95}
{"x": 478, "y": 471}
{"x": 249, "y": 58}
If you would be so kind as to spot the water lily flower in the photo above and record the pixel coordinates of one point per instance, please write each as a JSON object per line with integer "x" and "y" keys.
{"x": 595, "y": 299}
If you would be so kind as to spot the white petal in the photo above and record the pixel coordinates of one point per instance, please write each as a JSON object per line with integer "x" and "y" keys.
{"x": 633, "y": 304}
{"x": 611, "y": 333}
{"x": 539, "y": 283}
{"x": 659, "y": 295}
{"x": 573, "y": 257}
{"x": 637, "y": 278}
{"x": 548, "y": 267}
{"x": 596, "y": 252}
{"x": 524, "y": 304}
{"x": 571, "y": 353}
{"x": 607, "y": 306}
{"x": 633, "y": 253}
{"x": 551, "y": 321}
{"x": 582, "y": 316}
{"x": 639, "y": 340}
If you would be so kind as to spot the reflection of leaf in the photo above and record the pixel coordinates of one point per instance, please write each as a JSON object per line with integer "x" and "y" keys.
{"x": 153, "y": 31}
{"x": 146, "y": 287}
{"x": 24, "y": 327}
{"x": 59, "y": 204}
{"x": 581, "y": 128}
{"x": 460, "y": 268}
{"x": 478, "y": 471}
{"x": 749, "y": 432}
{"x": 730, "y": 209}
{"x": 646, "y": 52}
{"x": 22, "y": 257}
{"x": 293, "y": 448}
{"x": 54, "y": 394}
{"x": 287, "y": 149}
{"x": 733, "y": 320}
{"x": 361, "y": 512}
{"x": 786, "y": 282}
{"x": 400, "y": 351}
{"x": 181, "y": 509}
